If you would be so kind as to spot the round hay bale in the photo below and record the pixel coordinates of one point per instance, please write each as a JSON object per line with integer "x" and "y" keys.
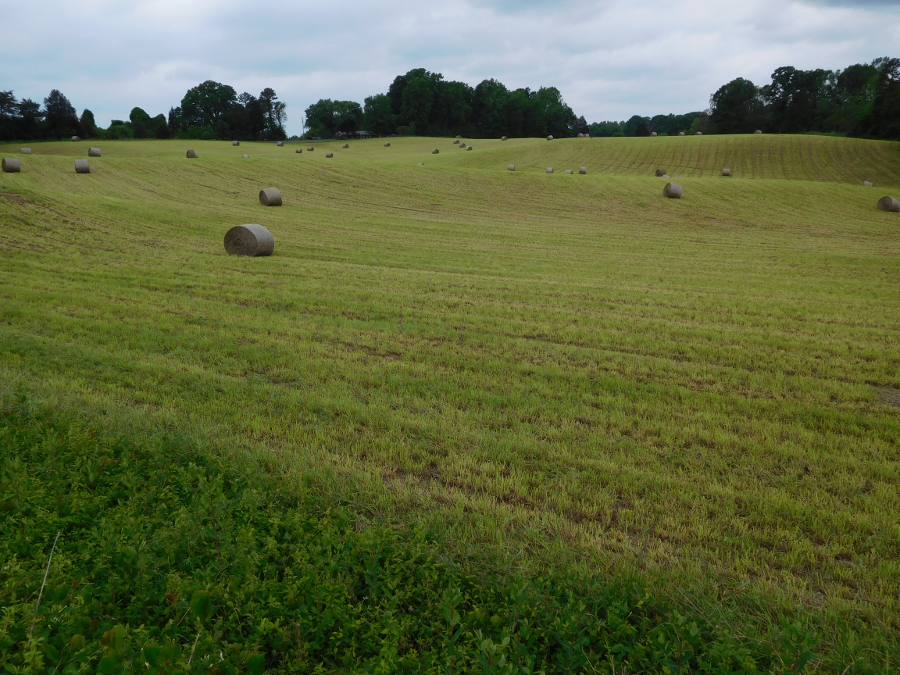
{"x": 193, "y": 154}
{"x": 11, "y": 165}
{"x": 299, "y": 151}
{"x": 653, "y": 133}
{"x": 235, "y": 143}
{"x": 459, "y": 136}
{"x": 245, "y": 156}
{"x": 26, "y": 151}
{"x": 329, "y": 155}
{"x": 345, "y": 146}
{"x": 758, "y": 131}
{"x": 582, "y": 170}
{"x": 726, "y": 172}
{"x": 280, "y": 144}
{"x": 549, "y": 169}
{"x": 82, "y": 166}
{"x": 462, "y": 146}
{"x": 549, "y": 138}
{"x": 435, "y": 152}
{"x": 468, "y": 147}
{"x": 252, "y": 240}
{"x": 387, "y": 145}
{"x": 672, "y": 191}
{"x": 568, "y": 172}
{"x": 660, "y": 172}
{"x": 270, "y": 197}
{"x": 891, "y": 204}
{"x": 699, "y": 133}
{"x": 456, "y": 142}
{"x": 310, "y": 149}
{"x": 76, "y": 138}
{"x": 580, "y": 136}
{"x": 503, "y": 138}
{"x": 681, "y": 133}
{"x": 93, "y": 152}
{"x": 512, "y": 167}
{"x": 867, "y": 184}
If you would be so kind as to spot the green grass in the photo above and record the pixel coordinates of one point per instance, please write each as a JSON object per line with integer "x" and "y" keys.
{"x": 557, "y": 370}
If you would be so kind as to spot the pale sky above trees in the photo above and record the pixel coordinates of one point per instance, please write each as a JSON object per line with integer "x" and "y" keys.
{"x": 609, "y": 58}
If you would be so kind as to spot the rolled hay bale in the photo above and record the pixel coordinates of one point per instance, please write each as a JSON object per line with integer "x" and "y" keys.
{"x": 549, "y": 169}
{"x": 456, "y": 142}
{"x": 867, "y": 184}
{"x": 726, "y": 172}
{"x": 270, "y": 197}
{"x": 387, "y": 145}
{"x": 193, "y": 154}
{"x": 310, "y": 149}
{"x": 681, "y": 133}
{"x": 462, "y": 146}
{"x": 672, "y": 191}
{"x": 280, "y": 144}
{"x": 82, "y": 166}
{"x": 758, "y": 131}
{"x": 299, "y": 151}
{"x": 75, "y": 139}
{"x": 699, "y": 133}
{"x": 512, "y": 167}
{"x": 653, "y": 133}
{"x": 11, "y": 165}
{"x": 568, "y": 172}
{"x": 345, "y": 146}
{"x": 660, "y": 172}
{"x": 93, "y": 152}
{"x": 504, "y": 138}
{"x": 891, "y": 204}
{"x": 549, "y": 138}
{"x": 252, "y": 240}
{"x": 459, "y": 136}
{"x": 468, "y": 147}
{"x": 582, "y": 170}
{"x": 235, "y": 143}
{"x": 329, "y": 155}
{"x": 26, "y": 151}
{"x": 245, "y": 156}
{"x": 435, "y": 152}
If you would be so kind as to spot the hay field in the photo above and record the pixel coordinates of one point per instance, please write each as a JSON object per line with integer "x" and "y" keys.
{"x": 558, "y": 367}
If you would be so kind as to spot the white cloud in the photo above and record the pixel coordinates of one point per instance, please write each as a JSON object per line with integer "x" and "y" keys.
{"x": 610, "y": 58}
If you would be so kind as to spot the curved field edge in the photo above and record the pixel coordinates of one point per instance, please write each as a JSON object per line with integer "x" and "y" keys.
{"x": 124, "y": 555}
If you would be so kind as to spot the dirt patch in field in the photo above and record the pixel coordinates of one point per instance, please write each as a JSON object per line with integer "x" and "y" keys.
{"x": 14, "y": 198}
{"x": 889, "y": 395}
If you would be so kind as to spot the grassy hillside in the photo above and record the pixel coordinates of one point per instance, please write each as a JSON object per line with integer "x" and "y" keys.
{"x": 568, "y": 367}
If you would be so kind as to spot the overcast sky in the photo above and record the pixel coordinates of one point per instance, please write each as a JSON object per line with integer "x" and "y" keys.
{"x": 609, "y": 58}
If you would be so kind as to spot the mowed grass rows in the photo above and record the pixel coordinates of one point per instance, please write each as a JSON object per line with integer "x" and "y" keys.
{"x": 567, "y": 366}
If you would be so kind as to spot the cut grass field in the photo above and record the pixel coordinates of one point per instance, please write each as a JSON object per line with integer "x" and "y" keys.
{"x": 560, "y": 370}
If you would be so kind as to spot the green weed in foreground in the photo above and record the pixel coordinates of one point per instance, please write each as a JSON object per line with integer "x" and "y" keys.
{"x": 168, "y": 562}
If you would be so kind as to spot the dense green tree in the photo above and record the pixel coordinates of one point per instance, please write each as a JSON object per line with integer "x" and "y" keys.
{"x": 737, "y": 108}
{"x": 275, "y": 115}
{"x": 325, "y": 118}
{"x": 637, "y": 126}
{"x": 88, "y": 124}
{"x": 883, "y": 121}
{"x": 206, "y": 104}
{"x": 59, "y": 115}
{"x": 378, "y": 116}
{"x": 491, "y": 109}
{"x": 793, "y": 99}
{"x": 140, "y": 123}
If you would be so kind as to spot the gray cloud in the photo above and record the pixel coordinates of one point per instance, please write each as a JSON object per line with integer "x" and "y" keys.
{"x": 610, "y": 58}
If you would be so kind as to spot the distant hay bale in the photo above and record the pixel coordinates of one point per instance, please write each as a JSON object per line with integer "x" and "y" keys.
{"x": 758, "y": 131}
{"x": 549, "y": 138}
{"x": 468, "y": 147}
{"x": 76, "y": 138}
{"x": 435, "y": 152}
{"x": 235, "y": 143}
{"x": 568, "y": 172}
{"x": 193, "y": 154}
{"x": 672, "y": 191}
{"x": 681, "y": 133}
{"x": 456, "y": 142}
{"x": 726, "y": 172}
{"x": 345, "y": 146}
{"x": 503, "y": 138}
{"x": 252, "y": 240}
{"x": 26, "y": 151}
{"x": 280, "y": 144}
{"x": 867, "y": 184}
{"x": 459, "y": 136}
{"x": 653, "y": 133}
{"x": 549, "y": 169}
{"x": 699, "y": 133}
{"x": 270, "y": 197}
{"x": 580, "y": 135}
{"x": 582, "y": 170}
{"x": 462, "y": 146}
{"x": 93, "y": 152}
{"x": 891, "y": 204}
{"x": 245, "y": 156}
{"x": 512, "y": 167}
{"x": 82, "y": 166}
{"x": 387, "y": 145}
{"x": 660, "y": 172}
{"x": 310, "y": 149}
{"x": 11, "y": 165}
{"x": 329, "y": 155}
{"x": 299, "y": 151}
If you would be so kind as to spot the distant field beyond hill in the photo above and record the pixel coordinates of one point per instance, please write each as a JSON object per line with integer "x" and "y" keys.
{"x": 554, "y": 368}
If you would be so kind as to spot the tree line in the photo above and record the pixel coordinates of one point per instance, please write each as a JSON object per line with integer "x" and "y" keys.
{"x": 208, "y": 111}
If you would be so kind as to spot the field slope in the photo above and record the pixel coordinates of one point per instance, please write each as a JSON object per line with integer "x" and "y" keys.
{"x": 567, "y": 367}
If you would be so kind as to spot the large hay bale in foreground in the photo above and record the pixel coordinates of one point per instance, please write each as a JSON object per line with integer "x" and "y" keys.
{"x": 93, "y": 152}
{"x": 549, "y": 138}
{"x": 726, "y": 172}
{"x": 889, "y": 204}
{"x": 660, "y": 172}
{"x": 11, "y": 165}
{"x": 235, "y": 143}
{"x": 582, "y": 170}
{"x": 76, "y": 138}
{"x": 672, "y": 191}
{"x": 280, "y": 144}
{"x": 549, "y": 169}
{"x": 468, "y": 147}
{"x": 867, "y": 184}
{"x": 26, "y": 151}
{"x": 252, "y": 240}
{"x": 435, "y": 152}
{"x": 82, "y": 166}
{"x": 193, "y": 154}
{"x": 329, "y": 155}
{"x": 270, "y": 197}
{"x": 345, "y": 146}
{"x": 512, "y": 167}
